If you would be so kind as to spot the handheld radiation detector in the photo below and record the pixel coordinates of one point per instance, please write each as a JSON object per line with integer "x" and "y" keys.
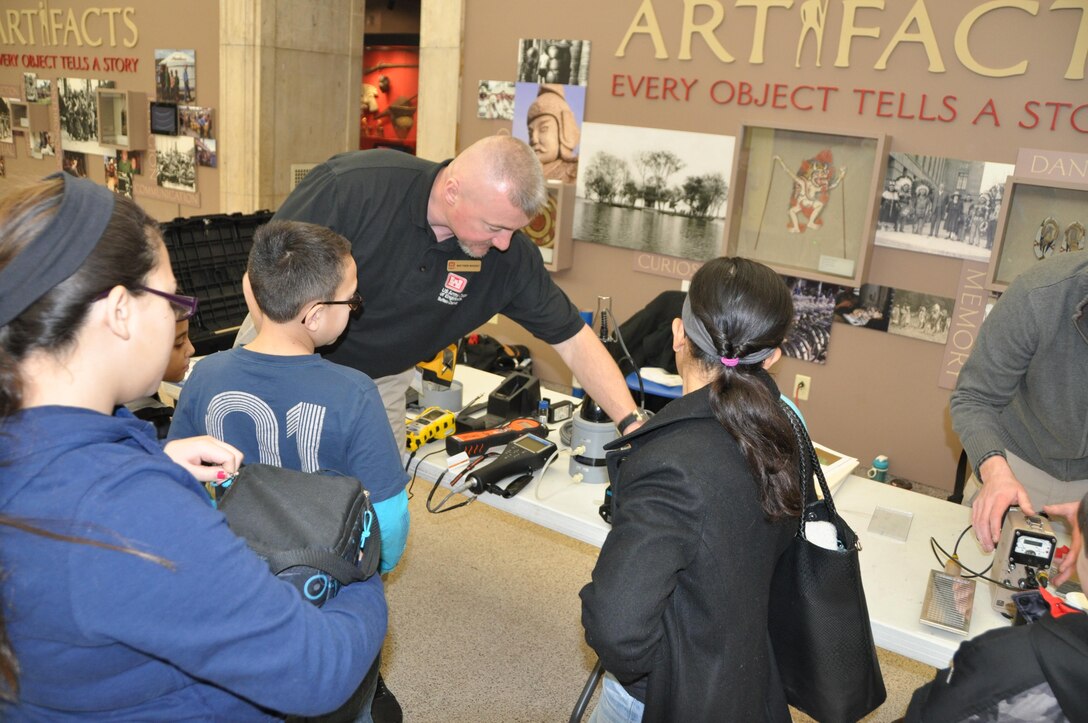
{"x": 523, "y": 456}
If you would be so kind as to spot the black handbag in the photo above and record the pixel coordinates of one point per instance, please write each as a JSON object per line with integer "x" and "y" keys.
{"x": 818, "y": 620}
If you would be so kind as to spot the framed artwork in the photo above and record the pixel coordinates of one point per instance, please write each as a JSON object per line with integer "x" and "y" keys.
{"x": 805, "y": 202}
{"x": 552, "y": 228}
{"x": 1039, "y": 218}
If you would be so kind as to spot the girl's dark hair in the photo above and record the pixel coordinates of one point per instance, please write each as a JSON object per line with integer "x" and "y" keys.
{"x": 126, "y": 253}
{"x": 746, "y": 307}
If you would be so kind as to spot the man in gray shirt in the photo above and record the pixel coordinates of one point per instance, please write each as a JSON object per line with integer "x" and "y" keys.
{"x": 1021, "y": 402}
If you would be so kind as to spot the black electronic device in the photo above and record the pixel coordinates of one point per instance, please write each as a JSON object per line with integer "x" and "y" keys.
{"x": 478, "y": 442}
{"x": 560, "y": 411}
{"x": 518, "y": 395}
{"x": 523, "y": 456}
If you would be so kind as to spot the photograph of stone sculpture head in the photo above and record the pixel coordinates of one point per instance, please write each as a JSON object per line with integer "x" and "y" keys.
{"x": 549, "y": 118}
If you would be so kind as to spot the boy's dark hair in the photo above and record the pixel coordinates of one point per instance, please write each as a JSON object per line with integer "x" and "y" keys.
{"x": 292, "y": 264}
{"x": 1082, "y": 522}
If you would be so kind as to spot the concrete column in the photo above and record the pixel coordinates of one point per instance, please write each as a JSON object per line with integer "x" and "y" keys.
{"x": 290, "y": 74}
{"x": 441, "y": 35}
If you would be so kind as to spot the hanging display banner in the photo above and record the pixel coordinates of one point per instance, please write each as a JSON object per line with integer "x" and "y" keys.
{"x": 1054, "y": 165}
{"x": 971, "y": 300}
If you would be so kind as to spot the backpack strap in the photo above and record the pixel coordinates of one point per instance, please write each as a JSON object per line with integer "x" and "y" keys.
{"x": 322, "y": 560}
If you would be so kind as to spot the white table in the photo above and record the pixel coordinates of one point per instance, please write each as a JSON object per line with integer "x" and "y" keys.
{"x": 895, "y": 573}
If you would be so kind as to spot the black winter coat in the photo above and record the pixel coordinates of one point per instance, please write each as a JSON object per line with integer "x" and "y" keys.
{"x": 677, "y": 606}
{"x": 1030, "y": 672}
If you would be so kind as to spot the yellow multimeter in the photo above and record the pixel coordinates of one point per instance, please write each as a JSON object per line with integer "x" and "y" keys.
{"x": 432, "y": 423}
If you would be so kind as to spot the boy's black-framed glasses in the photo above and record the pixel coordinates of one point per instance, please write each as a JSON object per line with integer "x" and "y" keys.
{"x": 355, "y": 303}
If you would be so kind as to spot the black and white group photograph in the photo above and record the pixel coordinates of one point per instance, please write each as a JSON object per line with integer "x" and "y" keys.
{"x": 655, "y": 190}
{"x": 921, "y": 316}
{"x": 942, "y": 206}
{"x": 79, "y": 115}
{"x": 565, "y": 62}
{"x": 175, "y": 162}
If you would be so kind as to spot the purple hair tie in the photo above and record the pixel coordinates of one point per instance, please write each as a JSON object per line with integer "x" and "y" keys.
{"x": 730, "y": 362}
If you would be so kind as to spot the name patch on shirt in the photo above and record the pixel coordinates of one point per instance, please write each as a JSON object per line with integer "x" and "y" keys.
{"x": 454, "y": 290}
{"x": 464, "y": 265}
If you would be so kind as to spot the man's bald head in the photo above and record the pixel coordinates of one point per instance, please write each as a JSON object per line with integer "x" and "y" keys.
{"x": 506, "y": 164}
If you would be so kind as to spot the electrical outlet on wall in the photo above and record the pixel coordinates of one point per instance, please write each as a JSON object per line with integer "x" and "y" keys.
{"x": 802, "y": 385}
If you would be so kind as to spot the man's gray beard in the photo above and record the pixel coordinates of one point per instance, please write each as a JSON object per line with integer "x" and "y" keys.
{"x": 469, "y": 252}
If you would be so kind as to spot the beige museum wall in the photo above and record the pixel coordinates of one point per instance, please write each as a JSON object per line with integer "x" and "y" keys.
{"x": 878, "y": 392}
{"x": 282, "y": 77}
{"x": 161, "y": 25}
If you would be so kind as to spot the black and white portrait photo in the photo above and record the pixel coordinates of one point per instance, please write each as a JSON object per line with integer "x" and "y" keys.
{"x": 653, "y": 190}
{"x": 175, "y": 162}
{"x": 920, "y": 316}
{"x": 565, "y": 62}
{"x": 942, "y": 206}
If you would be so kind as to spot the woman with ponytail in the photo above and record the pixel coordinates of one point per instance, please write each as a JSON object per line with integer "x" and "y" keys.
{"x": 706, "y": 499}
{"x": 125, "y": 595}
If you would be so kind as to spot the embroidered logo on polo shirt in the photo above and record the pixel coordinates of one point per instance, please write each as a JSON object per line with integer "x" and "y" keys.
{"x": 454, "y": 290}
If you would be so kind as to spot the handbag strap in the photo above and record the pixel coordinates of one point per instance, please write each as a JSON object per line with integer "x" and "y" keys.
{"x": 810, "y": 464}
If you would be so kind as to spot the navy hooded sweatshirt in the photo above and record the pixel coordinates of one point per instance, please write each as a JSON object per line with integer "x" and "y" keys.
{"x": 105, "y": 635}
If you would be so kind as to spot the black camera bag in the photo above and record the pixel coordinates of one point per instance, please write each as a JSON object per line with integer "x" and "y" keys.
{"x": 316, "y": 530}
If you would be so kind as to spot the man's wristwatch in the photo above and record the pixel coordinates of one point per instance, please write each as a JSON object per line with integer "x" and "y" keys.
{"x": 635, "y": 416}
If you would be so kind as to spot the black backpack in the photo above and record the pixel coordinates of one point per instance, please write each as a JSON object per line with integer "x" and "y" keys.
{"x": 316, "y": 530}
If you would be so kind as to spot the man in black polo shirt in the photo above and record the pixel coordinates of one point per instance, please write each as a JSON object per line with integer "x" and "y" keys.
{"x": 422, "y": 234}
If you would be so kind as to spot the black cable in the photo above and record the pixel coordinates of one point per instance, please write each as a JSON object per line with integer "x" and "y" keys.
{"x": 934, "y": 546}
{"x": 955, "y": 553}
{"x": 440, "y": 507}
{"x": 634, "y": 366}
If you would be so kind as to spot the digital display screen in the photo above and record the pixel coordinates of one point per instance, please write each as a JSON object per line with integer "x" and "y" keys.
{"x": 433, "y": 416}
{"x": 532, "y": 444}
{"x": 1040, "y": 547}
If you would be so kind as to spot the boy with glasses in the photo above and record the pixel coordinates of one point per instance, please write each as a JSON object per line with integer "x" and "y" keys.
{"x": 280, "y": 402}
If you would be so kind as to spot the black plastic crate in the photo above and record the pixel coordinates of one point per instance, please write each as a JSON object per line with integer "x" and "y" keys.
{"x": 208, "y": 255}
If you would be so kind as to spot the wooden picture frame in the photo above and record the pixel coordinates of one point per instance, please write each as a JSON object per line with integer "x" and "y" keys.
{"x": 792, "y": 207}
{"x": 122, "y": 122}
{"x": 1039, "y": 218}
{"x": 552, "y": 231}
